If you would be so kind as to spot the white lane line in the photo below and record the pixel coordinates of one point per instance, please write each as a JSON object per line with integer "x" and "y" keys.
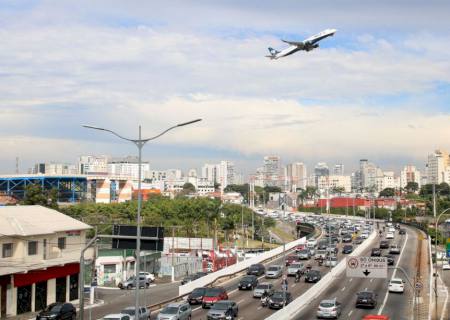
{"x": 393, "y": 275}
{"x": 365, "y": 289}
{"x": 351, "y": 279}
{"x": 350, "y": 313}
{"x": 259, "y": 308}
{"x": 195, "y": 309}
{"x": 240, "y": 301}
{"x": 293, "y": 285}
{"x": 343, "y": 289}
{"x": 371, "y": 280}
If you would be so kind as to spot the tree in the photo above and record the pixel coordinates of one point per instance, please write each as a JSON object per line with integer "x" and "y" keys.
{"x": 189, "y": 187}
{"x": 412, "y": 187}
{"x": 444, "y": 189}
{"x": 338, "y": 190}
{"x": 35, "y": 195}
{"x": 388, "y": 192}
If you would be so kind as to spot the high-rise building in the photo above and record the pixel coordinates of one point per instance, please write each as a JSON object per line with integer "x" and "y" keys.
{"x": 409, "y": 174}
{"x": 55, "y": 168}
{"x": 296, "y": 175}
{"x": 320, "y": 170}
{"x": 437, "y": 165}
{"x": 210, "y": 172}
{"x": 93, "y": 165}
{"x": 338, "y": 169}
{"x": 272, "y": 171}
{"x": 334, "y": 182}
{"x": 221, "y": 173}
{"x": 128, "y": 167}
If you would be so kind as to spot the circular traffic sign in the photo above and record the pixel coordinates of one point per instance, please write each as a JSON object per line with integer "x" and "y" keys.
{"x": 353, "y": 263}
{"x": 418, "y": 285}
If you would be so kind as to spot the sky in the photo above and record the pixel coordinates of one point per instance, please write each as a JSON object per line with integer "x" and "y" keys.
{"x": 378, "y": 89}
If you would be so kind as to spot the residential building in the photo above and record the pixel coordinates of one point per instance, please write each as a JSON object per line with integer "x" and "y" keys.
{"x": 210, "y": 172}
{"x": 40, "y": 258}
{"x": 334, "y": 182}
{"x": 296, "y": 175}
{"x": 338, "y": 169}
{"x": 54, "y": 169}
{"x": 128, "y": 167}
{"x": 410, "y": 174}
{"x": 221, "y": 173}
{"x": 437, "y": 165}
{"x": 272, "y": 171}
{"x": 320, "y": 170}
{"x": 93, "y": 165}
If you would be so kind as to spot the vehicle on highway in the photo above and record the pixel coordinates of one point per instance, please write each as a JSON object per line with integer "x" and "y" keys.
{"x": 331, "y": 261}
{"x": 304, "y": 254}
{"x": 292, "y": 258}
{"x": 376, "y": 317}
{"x": 384, "y": 244}
{"x": 358, "y": 240}
{"x": 58, "y": 311}
{"x": 115, "y": 316}
{"x": 261, "y": 288}
{"x": 347, "y": 249}
{"x": 213, "y": 295}
{"x": 329, "y": 309}
{"x": 225, "y": 309}
{"x": 364, "y": 235}
{"x": 248, "y": 282}
{"x": 196, "y": 296}
{"x": 401, "y": 231}
{"x": 149, "y": 276}
{"x": 311, "y": 243}
{"x": 256, "y": 269}
{"x": 294, "y": 268}
{"x": 390, "y": 259}
{"x": 189, "y": 278}
{"x": 144, "y": 313}
{"x": 322, "y": 245}
{"x": 175, "y": 311}
{"x": 279, "y": 299}
{"x": 376, "y": 252}
{"x": 366, "y": 299}
{"x": 332, "y": 250}
{"x": 347, "y": 238}
{"x": 396, "y": 285}
{"x": 390, "y": 235}
{"x": 446, "y": 265}
{"x": 274, "y": 271}
{"x": 313, "y": 276}
{"x": 394, "y": 249}
{"x": 130, "y": 283}
{"x": 391, "y": 229}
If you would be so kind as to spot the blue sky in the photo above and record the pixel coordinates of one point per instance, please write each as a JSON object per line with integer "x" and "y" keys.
{"x": 378, "y": 89}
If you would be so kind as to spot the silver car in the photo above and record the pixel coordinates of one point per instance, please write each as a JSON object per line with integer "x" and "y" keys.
{"x": 304, "y": 254}
{"x": 329, "y": 309}
{"x": 144, "y": 313}
{"x": 175, "y": 311}
{"x": 274, "y": 271}
{"x": 225, "y": 309}
{"x": 261, "y": 288}
{"x": 331, "y": 261}
{"x": 293, "y": 268}
{"x": 116, "y": 316}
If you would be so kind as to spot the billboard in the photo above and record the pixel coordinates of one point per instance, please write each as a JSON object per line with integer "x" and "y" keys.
{"x": 156, "y": 244}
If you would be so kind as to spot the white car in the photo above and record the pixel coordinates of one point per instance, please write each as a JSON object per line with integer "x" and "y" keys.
{"x": 389, "y": 235}
{"x": 149, "y": 276}
{"x": 364, "y": 235}
{"x": 396, "y": 285}
{"x": 116, "y": 316}
{"x": 391, "y": 229}
{"x": 331, "y": 261}
{"x": 144, "y": 313}
{"x": 311, "y": 243}
{"x": 446, "y": 265}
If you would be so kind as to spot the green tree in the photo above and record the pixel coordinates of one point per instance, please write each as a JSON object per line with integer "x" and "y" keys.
{"x": 387, "y": 192}
{"x": 189, "y": 187}
{"x": 338, "y": 190}
{"x": 412, "y": 187}
{"x": 444, "y": 189}
{"x": 35, "y": 195}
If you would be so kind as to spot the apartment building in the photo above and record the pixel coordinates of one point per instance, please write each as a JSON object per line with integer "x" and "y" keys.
{"x": 40, "y": 254}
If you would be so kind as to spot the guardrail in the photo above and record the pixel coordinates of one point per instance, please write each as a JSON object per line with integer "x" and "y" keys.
{"x": 294, "y": 308}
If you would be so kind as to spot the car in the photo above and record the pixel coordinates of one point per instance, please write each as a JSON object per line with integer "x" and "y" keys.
{"x": 364, "y": 235}
{"x": 175, "y": 311}
{"x": 116, "y": 316}
{"x": 304, "y": 254}
{"x": 311, "y": 243}
{"x": 274, "y": 271}
{"x": 196, "y": 296}
{"x": 347, "y": 238}
{"x": 358, "y": 240}
{"x": 384, "y": 244}
{"x": 389, "y": 235}
{"x": 130, "y": 283}
{"x": 58, "y": 311}
{"x": 347, "y": 249}
{"x": 279, "y": 299}
{"x": 390, "y": 259}
{"x": 256, "y": 269}
{"x": 391, "y": 229}
{"x": 366, "y": 299}
{"x": 313, "y": 276}
{"x": 293, "y": 268}
{"x": 401, "y": 231}
{"x": 248, "y": 282}
{"x": 331, "y": 261}
{"x": 261, "y": 288}
{"x": 394, "y": 249}
{"x": 144, "y": 313}
{"x": 376, "y": 252}
{"x": 329, "y": 309}
{"x": 446, "y": 265}
{"x": 396, "y": 285}
{"x": 332, "y": 250}
{"x": 376, "y": 317}
{"x": 225, "y": 309}
{"x": 213, "y": 295}
{"x": 149, "y": 276}
{"x": 292, "y": 258}
{"x": 189, "y": 278}
{"x": 320, "y": 254}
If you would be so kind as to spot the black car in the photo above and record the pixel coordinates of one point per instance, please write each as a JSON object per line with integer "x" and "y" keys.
{"x": 390, "y": 260}
{"x": 376, "y": 252}
{"x": 313, "y": 276}
{"x": 347, "y": 249}
{"x": 256, "y": 269}
{"x": 384, "y": 244}
{"x": 189, "y": 278}
{"x": 58, "y": 311}
{"x": 279, "y": 299}
{"x": 248, "y": 282}
{"x": 196, "y": 296}
{"x": 402, "y": 231}
{"x": 366, "y": 299}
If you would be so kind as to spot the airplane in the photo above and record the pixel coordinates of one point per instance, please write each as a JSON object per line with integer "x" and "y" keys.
{"x": 308, "y": 44}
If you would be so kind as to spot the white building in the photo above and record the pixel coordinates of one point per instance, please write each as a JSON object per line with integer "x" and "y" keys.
{"x": 437, "y": 165}
{"x": 272, "y": 171}
{"x": 94, "y": 165}
{"x": 338, "y": 169}
{"x": 296, "y": 175}
{"x": 221, "y": 173}
{"x": 40, "y": 258}
{"x": 53, "y": 168}
{"x": 409, "y": 174}
{"x": 332, "y": 182}
{"x": 386, "y": 179}
{"x": 128, "y": 167}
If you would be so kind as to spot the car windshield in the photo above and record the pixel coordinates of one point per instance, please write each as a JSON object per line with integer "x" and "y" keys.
{"x": 212, "y": 292}
{"x": 254, "y": 268}
{"x": 128, "y": 311}
{"x": 247, "y": 279}
{"x": 273, "y": 268}
{"x": 220, "y": 306}
{"x": 198, "y": 292}
{"x": 313, "y": 273}
{"x": 295, "y": 265}
{"x": 304, "y": 251}
{"x": 170, "y": 310}
{"x": 278, "y": 295}
{"x": 327, "y": 304}
{"x": 263, "y": 286}
{"x": 365, "y": 295}
{"x": 54, "y": 307}
{"x": 396, "y": 281}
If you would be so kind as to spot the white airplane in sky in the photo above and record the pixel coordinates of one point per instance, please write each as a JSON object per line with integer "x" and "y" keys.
{"x": 307, "y": 44}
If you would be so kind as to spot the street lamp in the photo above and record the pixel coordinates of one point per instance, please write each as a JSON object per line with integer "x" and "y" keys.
{"x": 435, "y": 254}
{"x": 139, "y": 144}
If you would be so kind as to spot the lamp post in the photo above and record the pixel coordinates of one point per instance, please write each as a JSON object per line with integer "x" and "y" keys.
{"x": 435, "y": 249}
{"x": 140, "y": 144}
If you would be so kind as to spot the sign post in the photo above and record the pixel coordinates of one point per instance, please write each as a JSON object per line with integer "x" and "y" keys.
{"x": 366, "y": 267}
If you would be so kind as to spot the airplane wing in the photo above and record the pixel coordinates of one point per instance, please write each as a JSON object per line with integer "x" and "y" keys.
{"x": 294, "y": 43}
{"x": 320, "y": 36}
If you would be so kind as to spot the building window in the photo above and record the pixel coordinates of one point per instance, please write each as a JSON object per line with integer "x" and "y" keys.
{"x": 32, "y": 248}
{"x": 109, "y": 268}
{"x": 62, "y": 243}
{"x": 7, "y": 250}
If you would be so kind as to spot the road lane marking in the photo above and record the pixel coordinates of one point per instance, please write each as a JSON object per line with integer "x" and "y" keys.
{"x": 343, "y": 289}
{"x": 195, "y": 309}
{"x": 393, "y": 275}
{"x": 351, "y": 279}
{"x": 371, "y": 280}
{"x": 240, "y": 301}
{"x": 350, "y": 313}
{"x": 259, "y": 308}
{"x": 293, "y": 285}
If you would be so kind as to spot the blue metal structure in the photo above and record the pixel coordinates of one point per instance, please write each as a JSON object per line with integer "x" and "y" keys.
{"x": 70, "y": 188}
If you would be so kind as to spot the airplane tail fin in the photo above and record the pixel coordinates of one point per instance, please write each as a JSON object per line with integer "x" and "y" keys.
{"x": 273, "y": 51}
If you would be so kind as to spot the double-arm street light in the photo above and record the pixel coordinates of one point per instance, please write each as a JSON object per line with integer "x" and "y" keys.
{"x": 139, "y": 144}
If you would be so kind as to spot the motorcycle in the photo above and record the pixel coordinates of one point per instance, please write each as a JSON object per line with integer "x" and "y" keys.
{"x": 297, "y": 277}
{"x": 264, "y": 301}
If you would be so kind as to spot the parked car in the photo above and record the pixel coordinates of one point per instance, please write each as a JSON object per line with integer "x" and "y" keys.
{"x": 347, "y": 249}
{"x": 366, "y": 299}
{"x": 446, "y": 265}
{"x": 144, "y": 313}
{"x": 376, "y": 252}
{"x": 256, "y": 269}
{"x": 384, "y": 244}
{"x": 329, "y": 309}
{"x": 293, "y": 268}
{"x": 274, "y": 271}
{"x": 225, "y": 309}
{"x": 116, "y": 316}
{"x": 279, "y": 299}
{"x": 396, "y": 285}
{"x": 313, "y": 276}
{"x": 130, "y": 283}
{"x": 175, "y": 311}
{"x": 394, "y": 249}
{"x": 261, "y": 288}
{"x": 196, "y": 296}
{"x": 149, "y": 276}
{"x": 58, "y": 311}
{"x": 248, "y": 282}
{"x": 212, "y": 295}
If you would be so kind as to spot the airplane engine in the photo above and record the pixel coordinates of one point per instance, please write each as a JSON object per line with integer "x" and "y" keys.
{"x": 309, "y": 48}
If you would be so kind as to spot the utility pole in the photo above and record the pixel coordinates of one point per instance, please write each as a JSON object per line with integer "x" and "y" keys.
{"x": 435, "y": 252}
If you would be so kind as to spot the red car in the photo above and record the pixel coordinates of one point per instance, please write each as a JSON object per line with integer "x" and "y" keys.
{"x": 212, "y": 295}
{"x": 375, "y": 317}
{"x": 300, "y": 247}
{"x": 290, "y": 259}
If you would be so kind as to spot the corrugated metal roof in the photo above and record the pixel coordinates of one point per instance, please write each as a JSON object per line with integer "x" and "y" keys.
{"x": 35, "y": 220}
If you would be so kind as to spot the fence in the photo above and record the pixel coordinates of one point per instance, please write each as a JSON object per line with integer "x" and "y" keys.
{"x": 181, "y": 266}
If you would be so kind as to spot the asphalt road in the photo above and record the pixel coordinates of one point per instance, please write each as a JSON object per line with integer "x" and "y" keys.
{"x": 397, "y": 306}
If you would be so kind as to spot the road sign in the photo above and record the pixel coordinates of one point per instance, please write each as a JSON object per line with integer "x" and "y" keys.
{"x": 366, "y": 267}
{"x": 418, "y": 285}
